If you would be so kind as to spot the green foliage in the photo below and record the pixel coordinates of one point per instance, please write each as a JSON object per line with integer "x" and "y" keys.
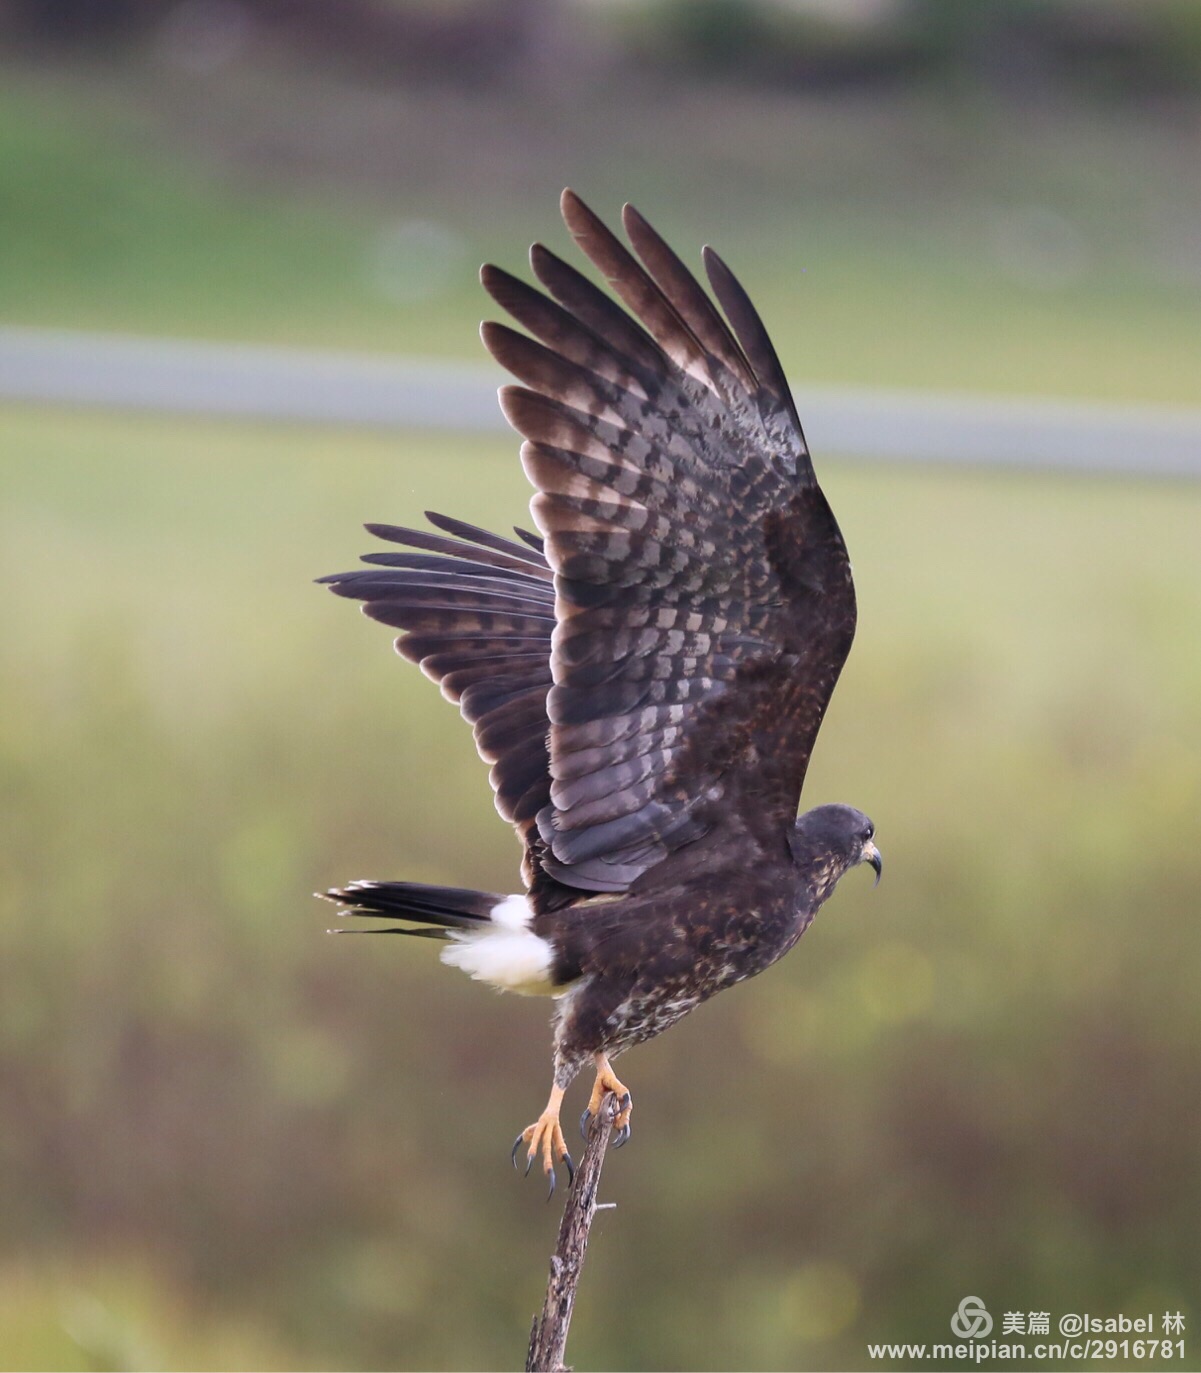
{"x": 231, "y": 1141}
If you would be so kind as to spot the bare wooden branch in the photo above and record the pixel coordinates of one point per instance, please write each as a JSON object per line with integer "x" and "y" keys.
{"x": 548, "y": 1334}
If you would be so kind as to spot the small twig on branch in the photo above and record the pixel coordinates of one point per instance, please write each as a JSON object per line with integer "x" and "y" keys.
{"x": 548, "y": 1334}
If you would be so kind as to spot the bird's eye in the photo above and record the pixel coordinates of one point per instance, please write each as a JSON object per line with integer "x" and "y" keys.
{"x": 868, "y": 833}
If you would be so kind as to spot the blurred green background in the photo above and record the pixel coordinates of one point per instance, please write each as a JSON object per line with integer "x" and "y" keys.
{"x": 229, "y": 1142}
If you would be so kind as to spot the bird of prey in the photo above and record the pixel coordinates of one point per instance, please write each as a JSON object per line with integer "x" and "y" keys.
{"x": 647, "y": 674}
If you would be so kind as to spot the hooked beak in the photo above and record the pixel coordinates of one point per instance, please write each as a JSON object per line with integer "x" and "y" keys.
{"x": 871, "y": 854}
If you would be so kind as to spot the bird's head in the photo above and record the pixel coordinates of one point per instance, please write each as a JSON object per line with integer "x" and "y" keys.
{"x": 829, "y": 840}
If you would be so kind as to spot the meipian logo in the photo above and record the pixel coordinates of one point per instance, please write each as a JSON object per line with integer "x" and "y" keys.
{"x": 971, "y": 1321}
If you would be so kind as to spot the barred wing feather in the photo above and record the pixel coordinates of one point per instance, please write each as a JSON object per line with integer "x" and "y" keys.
{"x": 477, "y": 613}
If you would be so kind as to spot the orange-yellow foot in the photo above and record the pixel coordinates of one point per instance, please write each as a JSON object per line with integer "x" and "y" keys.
{"x": 608, "y": 1081}
{"x": 545, "y": 1137}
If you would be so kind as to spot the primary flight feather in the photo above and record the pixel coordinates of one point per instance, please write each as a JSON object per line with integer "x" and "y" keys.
{"x": 647, "y": 674}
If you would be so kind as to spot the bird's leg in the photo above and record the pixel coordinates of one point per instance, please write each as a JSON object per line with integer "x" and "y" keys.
{"x": 608, "y": 1081}
{"x": 546, "y": 1136}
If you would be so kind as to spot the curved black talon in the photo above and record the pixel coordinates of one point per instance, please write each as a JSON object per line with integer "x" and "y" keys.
{"x": 517, "y": 1143}
{"x": 551, "y": 1190}
{"x": 623, "y": 1135}
{"x": 529, "y": 1163}
{"x": 585, "y": 1121}
{"x": 567, "y": 1163}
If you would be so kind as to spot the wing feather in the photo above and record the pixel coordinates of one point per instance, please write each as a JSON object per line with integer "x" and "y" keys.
{"x": 679, "y": 285}
{"x": 497, "y": 553}
{"x": 478, "y": 614}
{"x": 634, "y": 287}
{"x": 599, "y": 314}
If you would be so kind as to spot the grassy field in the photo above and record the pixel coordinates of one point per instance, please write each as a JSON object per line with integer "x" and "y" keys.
{"x": 231, "y": 1142}
{"x": 940, "y": 243}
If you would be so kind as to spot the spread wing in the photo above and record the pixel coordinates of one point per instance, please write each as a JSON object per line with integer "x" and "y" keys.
{"x": 703, "y": 597}
{"x": 666, "y": 665}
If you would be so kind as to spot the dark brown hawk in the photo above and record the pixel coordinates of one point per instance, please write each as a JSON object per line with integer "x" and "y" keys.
{"x": 648, "y": 676}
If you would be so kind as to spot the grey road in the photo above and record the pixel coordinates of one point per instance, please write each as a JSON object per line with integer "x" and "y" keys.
{"x": 312, "y": 387}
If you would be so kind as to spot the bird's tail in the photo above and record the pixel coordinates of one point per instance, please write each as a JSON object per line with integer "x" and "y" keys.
{"x": 434, "y": 911}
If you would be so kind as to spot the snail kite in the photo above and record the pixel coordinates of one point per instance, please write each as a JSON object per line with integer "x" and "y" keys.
{"x": 646, "y": 675}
